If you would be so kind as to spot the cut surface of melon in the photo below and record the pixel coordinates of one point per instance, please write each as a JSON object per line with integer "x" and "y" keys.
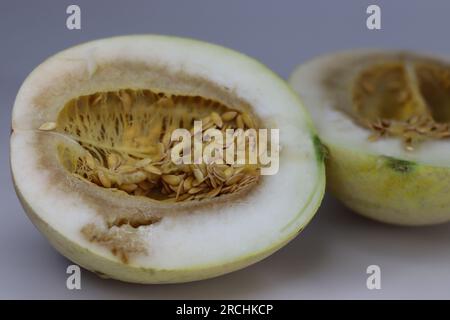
{"x": 347, "y": 93}
{"x": 86, "y": 118}
{"x": 384, "y": 118}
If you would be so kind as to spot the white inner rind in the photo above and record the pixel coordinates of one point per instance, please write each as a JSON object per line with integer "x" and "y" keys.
{"x": 338, "y": 129}
{"x": 276, "y": 209}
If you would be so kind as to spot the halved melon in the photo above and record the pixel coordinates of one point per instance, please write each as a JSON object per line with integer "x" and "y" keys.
{"x": 384, "y": 117}
{"x": 91, "y": 159}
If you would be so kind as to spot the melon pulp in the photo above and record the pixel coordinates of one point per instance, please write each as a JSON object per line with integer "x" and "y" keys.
{"x": 90, "y": 148}
{"x": 384, "y": 117}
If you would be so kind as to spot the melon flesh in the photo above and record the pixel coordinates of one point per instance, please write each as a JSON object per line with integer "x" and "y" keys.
{"x": 381, "y": 179}
{"x": 162, "y": 242}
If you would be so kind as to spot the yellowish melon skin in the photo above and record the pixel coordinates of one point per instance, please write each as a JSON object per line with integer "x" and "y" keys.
{"x": 389, "y": 190}
{"x": 114, "y": 269}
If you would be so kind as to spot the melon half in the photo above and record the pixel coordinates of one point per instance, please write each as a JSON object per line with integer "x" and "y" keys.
{"x": 384, "y": 117}
{"x": 90, "y": 144}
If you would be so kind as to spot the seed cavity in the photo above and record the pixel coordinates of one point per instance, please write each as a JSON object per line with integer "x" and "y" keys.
{"x": 126, "y": 138}
{"x": 404, "y": 98}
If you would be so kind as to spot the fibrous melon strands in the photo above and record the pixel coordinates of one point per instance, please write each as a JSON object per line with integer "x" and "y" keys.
{"x": 127, "y": 138}
{"x": 404, "y": 98}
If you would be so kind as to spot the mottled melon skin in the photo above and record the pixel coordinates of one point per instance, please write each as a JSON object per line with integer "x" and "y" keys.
{"x": 389, "y": 190}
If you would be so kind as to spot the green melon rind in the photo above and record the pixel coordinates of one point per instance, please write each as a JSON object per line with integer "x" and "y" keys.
{"x": 389, "y": 190}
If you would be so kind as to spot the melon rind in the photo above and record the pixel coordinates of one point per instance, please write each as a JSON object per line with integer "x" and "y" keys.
{"x": 379, "y": 180}
{"x": 82, "y": 63}
{"x": 387, "y": 189}
{"x": 114, "y": 269}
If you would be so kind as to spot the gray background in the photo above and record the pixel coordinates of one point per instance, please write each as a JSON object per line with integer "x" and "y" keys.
{"x": 329, "y": 259}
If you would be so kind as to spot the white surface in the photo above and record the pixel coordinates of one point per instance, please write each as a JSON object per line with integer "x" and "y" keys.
{"x": 330, "y": 257}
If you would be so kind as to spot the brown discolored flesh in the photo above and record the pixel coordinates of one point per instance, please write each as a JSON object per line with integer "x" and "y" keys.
{"x": 404, "y": 97}
{"x": 126, "y": 136}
